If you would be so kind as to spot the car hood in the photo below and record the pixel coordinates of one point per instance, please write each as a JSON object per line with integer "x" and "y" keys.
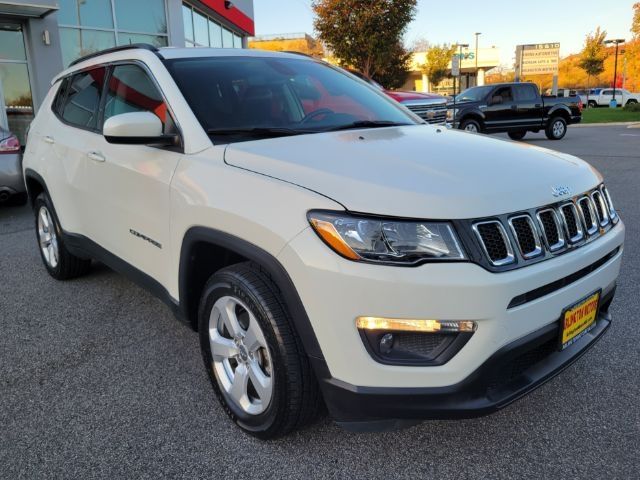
{"x": 417, "y": 171}
{"x": 405, "y": 96}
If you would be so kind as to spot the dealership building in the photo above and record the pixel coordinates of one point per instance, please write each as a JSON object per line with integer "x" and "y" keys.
{"x": 39, "y": 38}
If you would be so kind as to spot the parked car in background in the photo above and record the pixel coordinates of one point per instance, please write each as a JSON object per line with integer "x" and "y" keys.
{"x": 515, "y": 108}
{"x": 12, "y": 188}
{"x": 604, "y": 96}
{"x": 431, "y": 107}
{"x": 562, "y": 93}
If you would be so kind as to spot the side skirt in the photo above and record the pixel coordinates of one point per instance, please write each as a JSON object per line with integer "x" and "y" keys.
{"x": 82, "y": 246}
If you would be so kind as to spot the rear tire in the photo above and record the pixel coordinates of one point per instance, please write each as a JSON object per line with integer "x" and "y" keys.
{"x": 470, "y": 125}
{"x": 517, "y": 135}
{"x": 59, "y": 262}
{"x": 632, "y": 102}
{"x": 556, "y": 129}
{"x": 266, "y": 386}
{"x": 592, "y": 104}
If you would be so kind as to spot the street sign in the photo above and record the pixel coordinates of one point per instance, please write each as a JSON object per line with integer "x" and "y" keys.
{"x": 455, "y": 66}
{"x": 537, "y": 59}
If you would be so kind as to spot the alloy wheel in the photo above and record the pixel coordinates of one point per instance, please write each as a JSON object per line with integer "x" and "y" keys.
{"x": 558, "y": 128}
{"x": 241, "y": 360}
{"x": 47, "y": 238}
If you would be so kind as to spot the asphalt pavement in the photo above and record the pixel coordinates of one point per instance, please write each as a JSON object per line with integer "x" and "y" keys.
{"x": 98, "y": 380}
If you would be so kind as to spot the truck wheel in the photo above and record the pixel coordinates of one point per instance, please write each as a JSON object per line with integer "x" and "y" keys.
{"x": 59, "y": 262}
{"x": 593, "y": 104}
{"x": 517, "y": 135}
{"x": 470, "y": 125}
{"x": 556, "y": 129}
{"x": 632, "y": 102}
{"x": 255, "y": 360}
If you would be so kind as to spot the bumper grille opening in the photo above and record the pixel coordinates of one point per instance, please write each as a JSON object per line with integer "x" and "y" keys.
{"x": 574, "y": 230}
{"x": 519, "y": 365}
{"x": 603, "y": 216}
{"x": 588, "y": 215}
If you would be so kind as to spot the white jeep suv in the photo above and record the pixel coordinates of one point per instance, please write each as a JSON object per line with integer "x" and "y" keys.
{"x": 326, "y": 244}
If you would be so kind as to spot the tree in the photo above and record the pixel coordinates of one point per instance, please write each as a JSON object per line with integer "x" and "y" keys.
{"x": 593, "y": 55}
{"x": 635, "y": 24}
{"x": 437, "y": 65}
{"x": 367, "y": 35}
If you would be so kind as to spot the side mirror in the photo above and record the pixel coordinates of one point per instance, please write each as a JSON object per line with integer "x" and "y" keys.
{"x": 496, "y": 100}
{"x": 136, "y": 128}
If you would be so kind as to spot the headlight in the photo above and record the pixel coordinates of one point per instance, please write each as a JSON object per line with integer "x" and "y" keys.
{"x": 379, "y": 240}
{"x": 451, "y": 113}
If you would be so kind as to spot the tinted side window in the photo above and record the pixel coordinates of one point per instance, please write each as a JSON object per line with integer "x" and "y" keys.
{"x": 505, "y": 93}
{"x": 83, "y": 99}
{"x": 131, "y": 90}
{"x": 527, "y": 93}
{"x": 607, "y": 92}
{"x": 58, "y": 101}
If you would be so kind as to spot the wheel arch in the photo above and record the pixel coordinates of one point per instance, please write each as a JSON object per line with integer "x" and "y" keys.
{"x": 35, "y": 185}
{"x": 473, "y": 115}
{"x": 560, "y": 111}
{"x": 205, "y": 250}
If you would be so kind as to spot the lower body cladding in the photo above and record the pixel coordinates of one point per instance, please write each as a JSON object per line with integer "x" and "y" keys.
{"x": 515, "y": 346}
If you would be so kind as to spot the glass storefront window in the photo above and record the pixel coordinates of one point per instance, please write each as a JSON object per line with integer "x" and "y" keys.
{"x": 187, "y": 18}
{"x": 141, "y": 16}
{"x": 69, "y": 44}
{"x": 237, "y": 41}
{"x": 227, "y": 38}
{"x": 68, "y": 13}
{"x": 95, "y": 40}
{"x": 215, "y": 35}
{"x": 11, "y": 43}
{"x": 129, "y": 38}
{"x": 200, "y": 29}
{"x": 16, "y": 104}
{"x": 96, "y": 13}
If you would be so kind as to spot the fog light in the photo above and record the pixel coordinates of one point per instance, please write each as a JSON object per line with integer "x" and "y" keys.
{"x": 413, "y": 325}
{"x": 386, "y": 343}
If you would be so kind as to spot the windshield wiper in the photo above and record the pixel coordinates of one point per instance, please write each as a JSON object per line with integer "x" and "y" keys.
{"x": 367, "y": 124}
{"x": 256, "y": 131}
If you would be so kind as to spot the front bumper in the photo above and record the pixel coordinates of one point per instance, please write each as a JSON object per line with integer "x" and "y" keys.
{"x": 507, "y": 375}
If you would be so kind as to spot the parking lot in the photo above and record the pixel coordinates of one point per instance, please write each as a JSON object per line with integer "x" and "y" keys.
{"x": 98, "y": 380}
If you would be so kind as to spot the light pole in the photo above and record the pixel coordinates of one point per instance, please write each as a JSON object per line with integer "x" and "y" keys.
{"x": 617, "y": 42}
{"x": 477, "y": 35}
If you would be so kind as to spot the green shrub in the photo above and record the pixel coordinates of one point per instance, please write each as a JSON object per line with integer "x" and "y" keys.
{"x": 632, "y": 107}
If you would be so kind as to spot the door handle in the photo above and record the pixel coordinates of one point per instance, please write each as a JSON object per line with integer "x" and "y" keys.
{"x": 49, "y": 139}
{"x": 96, "y": 156}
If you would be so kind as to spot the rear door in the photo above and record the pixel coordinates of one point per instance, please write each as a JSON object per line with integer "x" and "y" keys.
{"x": 528, "y": 112}
{"x": 65, "y": 139}
{"x": 129, "y": 185}
{"x": 500, "y": 116}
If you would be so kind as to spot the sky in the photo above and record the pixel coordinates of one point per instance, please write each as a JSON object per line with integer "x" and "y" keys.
{"x": 503, "y": 24}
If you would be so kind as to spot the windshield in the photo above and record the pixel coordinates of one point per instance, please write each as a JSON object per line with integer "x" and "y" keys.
{"x": 474, "y": 94}
{"x": 236, "y": 98}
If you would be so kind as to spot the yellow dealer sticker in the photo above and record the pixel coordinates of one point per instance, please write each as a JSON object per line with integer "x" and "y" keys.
{"x": 579, "y": 319}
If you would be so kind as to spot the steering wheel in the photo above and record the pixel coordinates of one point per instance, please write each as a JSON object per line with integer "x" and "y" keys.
{"x": 316, "y": 113}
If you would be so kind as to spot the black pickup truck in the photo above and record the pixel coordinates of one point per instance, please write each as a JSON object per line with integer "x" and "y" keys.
{"x": 515, "y": 108}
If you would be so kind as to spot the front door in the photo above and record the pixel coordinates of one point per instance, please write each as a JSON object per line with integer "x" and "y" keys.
{"x": 128, "y": 186}
{"x": 500, "y": 114}
{"x": 16, "y": 104}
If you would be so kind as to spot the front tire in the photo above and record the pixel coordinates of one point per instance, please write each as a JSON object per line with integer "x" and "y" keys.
{"x": 593, "y": 104}
{"x": 556, "y": 129}
{"x": 59, "y": 262}
{"x": 255, "y": 360}
{"x": 517, "y": 135}
{"x": 470, "y": 125}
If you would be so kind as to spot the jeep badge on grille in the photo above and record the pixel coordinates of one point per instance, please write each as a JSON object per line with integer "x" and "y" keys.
{"x": 560, "y": 191}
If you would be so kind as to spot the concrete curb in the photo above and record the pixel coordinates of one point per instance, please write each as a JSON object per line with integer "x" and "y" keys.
{"x": 609, "y": 124}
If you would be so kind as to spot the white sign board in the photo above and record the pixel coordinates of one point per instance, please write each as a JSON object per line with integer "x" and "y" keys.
{"x": 455, "y": 66}
{"x": 537, "y": 59}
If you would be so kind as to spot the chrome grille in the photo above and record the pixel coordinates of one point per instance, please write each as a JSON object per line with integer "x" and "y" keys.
{"x": 551, "y": 229}
{"x": 538, "y": 234}
{"x": 526, "y": 236}
{"x": 572, "y": 225}
{"x": 588, "y": 215}
{"x": 495, "y": 242}
{"x": 601, "y": 208}
{"x": 431, "y": 113}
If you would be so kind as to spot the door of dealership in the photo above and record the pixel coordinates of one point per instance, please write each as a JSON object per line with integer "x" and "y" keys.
{"x": 16, "y": 103}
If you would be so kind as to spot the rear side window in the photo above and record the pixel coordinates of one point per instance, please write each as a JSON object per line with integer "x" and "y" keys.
{"x": 58, "y": 101}
{"x": 82, "y": 101}
{"x": 130, "y": 89}
{"x": 528, "y": 93}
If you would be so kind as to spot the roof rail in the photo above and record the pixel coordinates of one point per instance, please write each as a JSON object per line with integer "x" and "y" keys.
{"x": 143, "y": 46}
